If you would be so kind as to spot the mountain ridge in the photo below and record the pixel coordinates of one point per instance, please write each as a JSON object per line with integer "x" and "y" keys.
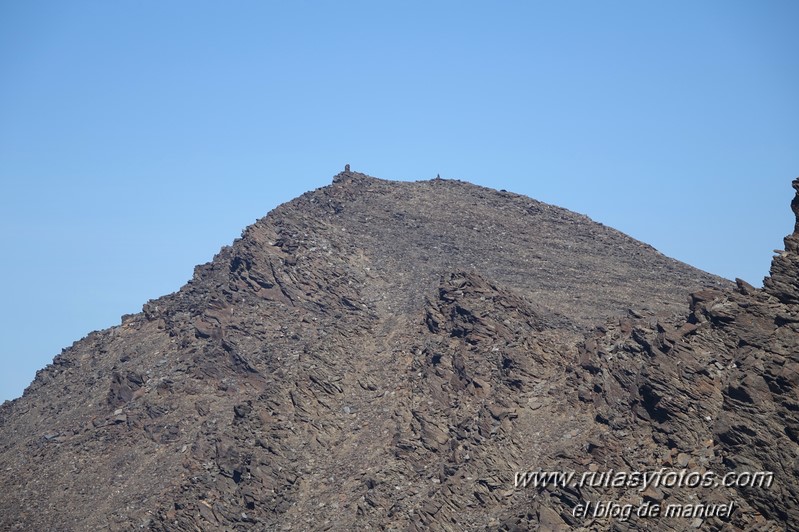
{"x": 417, "y": 343}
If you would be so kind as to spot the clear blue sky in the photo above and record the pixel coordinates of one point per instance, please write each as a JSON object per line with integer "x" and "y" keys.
{"x": 137, "y": 138}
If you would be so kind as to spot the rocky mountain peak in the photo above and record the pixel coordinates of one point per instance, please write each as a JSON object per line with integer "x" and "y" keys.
{"x": 389, "y": 355}
{"x": 350, "y": 177}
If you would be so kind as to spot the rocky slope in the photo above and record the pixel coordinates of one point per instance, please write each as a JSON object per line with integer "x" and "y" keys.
{"x": 381, "y": 355}
{"x": 716, "y": 391}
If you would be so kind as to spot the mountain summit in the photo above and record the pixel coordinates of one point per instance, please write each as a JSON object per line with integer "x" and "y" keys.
{"x": 391, "y": 355}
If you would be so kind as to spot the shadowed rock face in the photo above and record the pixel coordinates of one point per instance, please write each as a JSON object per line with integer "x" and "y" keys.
{"x": 388, "y": 355}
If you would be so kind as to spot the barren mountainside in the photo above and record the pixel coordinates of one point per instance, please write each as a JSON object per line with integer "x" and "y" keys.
{"x": 378, "y": 355}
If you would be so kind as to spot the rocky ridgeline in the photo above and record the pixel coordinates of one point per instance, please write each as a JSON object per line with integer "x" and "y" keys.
{"x": 378, "y": 355}
{"x": 716, "y": 391}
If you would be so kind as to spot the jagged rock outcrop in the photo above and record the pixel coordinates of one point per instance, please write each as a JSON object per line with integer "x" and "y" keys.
{"x": 783, "y": 283}
{"x": 378, "y": 355}
{"x": 718, "y": 388}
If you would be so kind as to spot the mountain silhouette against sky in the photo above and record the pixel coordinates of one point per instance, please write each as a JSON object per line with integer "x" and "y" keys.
{"x": 390, "y": 355}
